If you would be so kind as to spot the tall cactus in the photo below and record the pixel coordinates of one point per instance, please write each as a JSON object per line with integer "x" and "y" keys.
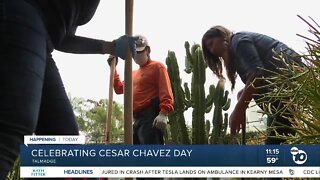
{"x": 221, "y": 103}
{"x": 196, "y": 98}
{"x": 178, "y": 128}
{"x": 195, "y": 64}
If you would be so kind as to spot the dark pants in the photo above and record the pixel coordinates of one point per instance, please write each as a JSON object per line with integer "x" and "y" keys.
{"x": 143, "y": 132}
{"x": 32, "y": 96}
{"x": 279, "y": 124}
{"x": 276, "y": 124}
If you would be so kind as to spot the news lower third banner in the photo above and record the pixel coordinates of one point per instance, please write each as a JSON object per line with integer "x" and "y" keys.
{"x": 78, "y": 160}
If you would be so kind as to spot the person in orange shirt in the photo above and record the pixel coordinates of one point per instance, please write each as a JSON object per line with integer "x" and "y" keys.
{"x": 152, "y": 96}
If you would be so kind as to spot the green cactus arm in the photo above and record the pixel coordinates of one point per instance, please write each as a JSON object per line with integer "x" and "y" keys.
{"x": 173, "y": 68}
{"x": 225, "y": 97}
{"x": 202, "y": 65}
{"x": 227, "y": 105}
{"x": 209, "y": 103}
{"x": 212, "y": 89}
{"x": 194, "y": 48}
{"x": 218, "y": 94}
{"x": 225, "y": 123}
{"x": 209, "y": 108}
{"x": 188, "y": 59}
{"x": 187, "y": 104}
{"x": 187, "y": 91}
{"x": 210, "y": 98}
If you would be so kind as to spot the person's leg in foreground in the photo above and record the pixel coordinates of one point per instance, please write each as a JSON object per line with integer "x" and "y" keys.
{"x": 23, "y": 51}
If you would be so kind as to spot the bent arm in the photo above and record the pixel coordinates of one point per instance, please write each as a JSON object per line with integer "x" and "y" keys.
{"x": 118, "y": 84}
{"x": 253, "y": 68}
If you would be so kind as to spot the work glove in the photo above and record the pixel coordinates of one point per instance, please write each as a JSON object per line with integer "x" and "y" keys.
{"x": 122, "y": 44}
{"x": 112, "y": 58}
{"x": 160, "y": 122}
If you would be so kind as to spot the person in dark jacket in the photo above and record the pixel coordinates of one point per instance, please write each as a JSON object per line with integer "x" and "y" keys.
{"x": 251, "y": 56}
{"x": 33, "y": 98}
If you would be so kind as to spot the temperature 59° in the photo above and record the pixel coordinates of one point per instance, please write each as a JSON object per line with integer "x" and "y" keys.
{"x": 272, "y": 160}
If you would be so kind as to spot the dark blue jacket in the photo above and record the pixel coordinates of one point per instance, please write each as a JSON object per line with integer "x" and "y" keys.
{"x": 252, "y": 53}
{"x": 62, "y": 17}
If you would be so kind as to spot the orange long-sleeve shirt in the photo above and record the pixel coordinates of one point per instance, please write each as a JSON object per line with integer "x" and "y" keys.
{"x": 149, "y": 81}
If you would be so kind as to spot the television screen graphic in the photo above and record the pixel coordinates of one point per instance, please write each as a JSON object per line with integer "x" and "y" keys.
{"x": 78, "y": 160}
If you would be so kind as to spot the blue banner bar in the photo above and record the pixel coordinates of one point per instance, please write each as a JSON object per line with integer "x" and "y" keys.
{"x": 170, "y": 155}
